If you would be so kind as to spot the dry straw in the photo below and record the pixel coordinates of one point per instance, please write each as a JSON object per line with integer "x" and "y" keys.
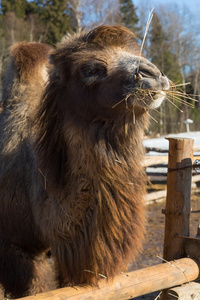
{"x": 145, "y": 34}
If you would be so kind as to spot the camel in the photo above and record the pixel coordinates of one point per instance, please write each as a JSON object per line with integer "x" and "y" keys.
{"x": 71, "y": 173}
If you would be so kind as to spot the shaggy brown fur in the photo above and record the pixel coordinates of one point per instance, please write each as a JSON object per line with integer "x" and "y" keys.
{"x": 72, "y": 179}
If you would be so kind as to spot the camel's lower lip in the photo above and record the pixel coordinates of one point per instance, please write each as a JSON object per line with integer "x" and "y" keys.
{"x": 158, "y": 94}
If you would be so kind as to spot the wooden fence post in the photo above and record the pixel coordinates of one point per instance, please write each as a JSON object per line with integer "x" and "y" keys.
{"x": 178, "y": 202}
{"x": 178, "y": 206}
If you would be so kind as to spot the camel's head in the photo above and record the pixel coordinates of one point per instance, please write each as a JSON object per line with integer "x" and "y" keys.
{"x": 101, "y": 74}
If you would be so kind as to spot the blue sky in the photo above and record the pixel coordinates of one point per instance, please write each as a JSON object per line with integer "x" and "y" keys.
{"x": 193, "y": 5}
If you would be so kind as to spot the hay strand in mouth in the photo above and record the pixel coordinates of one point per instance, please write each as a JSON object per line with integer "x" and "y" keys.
{"x": 125, "y": 99}
{"x": 152, "y": 117}
{"x": 173, "y": 95}
{"x": 145, "y": 34}
{"x": 174, "y": 104}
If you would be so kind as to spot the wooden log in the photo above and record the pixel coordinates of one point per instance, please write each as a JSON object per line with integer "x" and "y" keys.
{"x": 195, "y": 178}
{"x": 178, "y": 197}
{"x": 156, "y": 186}
{"x": 196, "y": 148}
{"x": 196, "y": 157}
{"x": 187, "y": 291}
{"x": 128, "y": 285}
{"x": 151, "y": 160}
{"x": 155, "y": 196}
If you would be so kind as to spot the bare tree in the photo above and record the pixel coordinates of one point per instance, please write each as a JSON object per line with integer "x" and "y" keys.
{"x": 75, "y": 6}
{"x": 183, "y": 42}
{"x": 37, "y": 31}
{"x": 97, "y": 12}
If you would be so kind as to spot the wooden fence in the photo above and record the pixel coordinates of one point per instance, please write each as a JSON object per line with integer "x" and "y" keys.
{"x": 181, "y": 266}
{"x": 158, "y": 191}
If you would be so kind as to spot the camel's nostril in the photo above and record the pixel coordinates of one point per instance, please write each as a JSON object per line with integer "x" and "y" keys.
{"x": 162, "y": 74}
{"x": 146, "y": 74}
{"x": 149, "y": 76}
{"x": 148, "y": 70}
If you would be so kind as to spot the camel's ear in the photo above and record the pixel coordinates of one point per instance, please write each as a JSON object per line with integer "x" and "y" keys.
{"x": 50, "y": 147}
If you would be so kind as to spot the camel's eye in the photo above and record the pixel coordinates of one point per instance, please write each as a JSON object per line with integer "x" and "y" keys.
{"x": 94, "y": 69}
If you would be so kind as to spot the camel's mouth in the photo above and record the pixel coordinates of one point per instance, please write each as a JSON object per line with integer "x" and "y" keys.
{"x": 147, "y": 88}
{"x": 150, "y": 91}
{"x": 157, "y": 98}
{"x": 157, "y": 95}
{"x": 145, "y": 98}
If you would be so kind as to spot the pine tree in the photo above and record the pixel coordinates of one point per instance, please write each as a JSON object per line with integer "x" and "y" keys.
{"x": 16, "y": 6}
{"x": 57, "y": 16}
{"x": 14, "y": 24}
{"x": 128, "y": 15}
{"x": 160, "y": 52}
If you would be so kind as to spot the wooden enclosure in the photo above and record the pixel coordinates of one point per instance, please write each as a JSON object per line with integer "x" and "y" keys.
{"x": 177, "y": 268}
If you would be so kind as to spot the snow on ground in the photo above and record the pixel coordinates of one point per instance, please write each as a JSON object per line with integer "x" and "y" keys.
{"x": 163, "y": 144}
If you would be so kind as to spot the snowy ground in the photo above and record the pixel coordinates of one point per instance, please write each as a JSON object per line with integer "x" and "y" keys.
{"x": 163, "y": 144}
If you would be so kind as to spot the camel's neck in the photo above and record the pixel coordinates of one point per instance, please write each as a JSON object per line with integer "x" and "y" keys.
{"x": 99, "y": 211}
{"x": 104, "y": 204}
{"x": 105, "y": 170}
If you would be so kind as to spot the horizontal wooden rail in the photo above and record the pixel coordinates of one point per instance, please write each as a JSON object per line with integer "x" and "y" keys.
{"x": 130, "y": 284}
{"x": 153, "y": 160}
{"x": 155, "y": 196}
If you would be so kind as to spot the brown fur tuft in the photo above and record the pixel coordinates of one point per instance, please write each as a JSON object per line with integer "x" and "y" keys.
{"x": 115, "y": 36}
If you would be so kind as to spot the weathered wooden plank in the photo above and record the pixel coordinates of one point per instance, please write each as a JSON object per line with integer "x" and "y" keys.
{"x": 160, "y": 159}
{"x": 155, "y": 196}
{"x": 155, "y": 160}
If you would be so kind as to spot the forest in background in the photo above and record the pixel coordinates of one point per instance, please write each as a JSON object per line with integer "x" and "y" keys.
{"x": 172, "y": 41}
